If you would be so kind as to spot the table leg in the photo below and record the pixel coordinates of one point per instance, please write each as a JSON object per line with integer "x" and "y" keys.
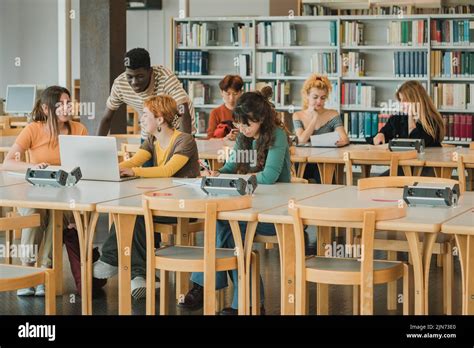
{"x": 428, "y": 244}
{"x": 286, "y": 241}
{"x": 469, "y": 298}
{"x": 416, "y": 256}
{"x": 124, "y": 225}
{"x": 340, "y": 174}
{"x": 58, "y": 249}
{"x": 244, "y": 258}
{"x": 322, "y": 290}
{"x": 301, "y": 169}
{"x": 417, "y": 171}
{"x": 326, "y": 171}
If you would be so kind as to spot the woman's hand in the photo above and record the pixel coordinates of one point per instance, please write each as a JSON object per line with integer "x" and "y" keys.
{"x": 126, "y": 172}
{"x": 210, "y": 173}
{"x": 232, "y": 135}
{"x": 379, "y": 139}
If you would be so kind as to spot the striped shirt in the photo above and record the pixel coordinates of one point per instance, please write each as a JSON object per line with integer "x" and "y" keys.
{"x": 165, "y": 82}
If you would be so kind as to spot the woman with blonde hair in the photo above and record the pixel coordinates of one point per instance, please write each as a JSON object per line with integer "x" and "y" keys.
{"x": 419, "y": 118}
{"x": 315, "y": 119}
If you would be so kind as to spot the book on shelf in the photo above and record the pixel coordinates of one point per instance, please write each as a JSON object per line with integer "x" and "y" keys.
{"x": 407, "y": 33}
{"x": 353, "y": 64}
{"x": 201, "y": 121}
{"x": 191, "y": 62}
{"x": 458, "y": 127}
{"x": 199, "y": 93}
{"x": 357, "y": 94}
{"x": 452, "y": 63}
{"x": 244, "y": 67}
{"x": 196, "y": 34}
{"x": 242, "y": 34}
{"x": 333, "y": 33}
{"x": 276, "y": 34}
{"x": 452, "y": 32}
{"x": 410, "y": 63}
{"x": 281, "y": 91}
{"x": 455, "y": 96}
{"x": 352, "y": 33}
{"x": 360, "y": 125}
{"x": 324, "y": 63}
{"x": 457, "y": 9}
{"x": 273, "y": 63}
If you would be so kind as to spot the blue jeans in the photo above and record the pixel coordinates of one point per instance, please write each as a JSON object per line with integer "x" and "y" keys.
{"x": 224, "y": 239}
{"x": 148, "y": 163}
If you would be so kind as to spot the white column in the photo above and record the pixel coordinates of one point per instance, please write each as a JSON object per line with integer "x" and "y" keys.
{"x": 64, "y": 44}
{"x": 183, "y": 8}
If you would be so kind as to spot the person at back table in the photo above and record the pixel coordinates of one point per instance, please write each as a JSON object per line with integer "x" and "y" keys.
{"x": 420, "y": 119}
{"x": 221, "y": 118}
{"x": 315, "y": 119}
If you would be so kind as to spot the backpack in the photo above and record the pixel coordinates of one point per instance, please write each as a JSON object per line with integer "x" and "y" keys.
{"x": 222, "y": 129}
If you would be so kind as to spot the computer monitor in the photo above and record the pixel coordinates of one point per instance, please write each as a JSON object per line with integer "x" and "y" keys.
{"x": 20, "y": 99}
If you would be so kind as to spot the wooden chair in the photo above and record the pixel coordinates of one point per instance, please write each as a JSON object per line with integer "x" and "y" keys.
{"x": 205, "y": 259}
{"x": 392, "y": 246}
{"x": 471, "y": 145}
{"x": 365, "y": 272}
{"x": 375, "y": 157}
{"x": 19, "y": 277}
{"x": 464, "y": 159}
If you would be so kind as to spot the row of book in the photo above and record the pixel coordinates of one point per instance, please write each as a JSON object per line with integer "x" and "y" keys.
{"x": 353, "y": 64}
{"x": 324, "y": 63}
{"x": 410, "y": 63}
{"x": 357, "y": 94}
{"x": 191, "y": 62}
{"x": 242, "y": 34}
{"x": 281, "y": 91}
{"x": 352, "y": 33}
{"x": 196, "y": 34}
{"x": 273, "y": 63}
{"x": 359, "y": 125}
{"x": 458, "y": 127}
{"x": 452, "y": 32}
{"x": 451, "y": 63}
{"x": 409, "y": 33}
{"x": 276, "y": 34}
{"x": 453, "y": 96}
{"x": 244, "y": 64}
{"x": 198, "y": 92}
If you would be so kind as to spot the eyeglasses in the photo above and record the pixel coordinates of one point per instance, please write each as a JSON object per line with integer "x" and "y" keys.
{"x": 240, "y": 125}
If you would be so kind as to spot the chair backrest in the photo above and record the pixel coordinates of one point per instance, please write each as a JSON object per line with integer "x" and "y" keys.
{"x": 463, "y": 159}
{"x": 471, "y": 146}
{"x": 376, "y": 156}
{"x": 19, "y": 222}
{"x": 307, "y": 215}
{"x": 399, "y": 181}
{"x": 157, "y": 204}
{"x": 128, "y": 150}
{"x": 10, "y": 131}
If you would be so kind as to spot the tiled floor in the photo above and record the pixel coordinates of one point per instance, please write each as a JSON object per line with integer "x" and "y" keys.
{"x": 340, "y": 297}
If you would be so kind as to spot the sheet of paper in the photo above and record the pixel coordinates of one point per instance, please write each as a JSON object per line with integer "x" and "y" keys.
{"x": 191, "y": 182}
{"x": 326, "y": 139}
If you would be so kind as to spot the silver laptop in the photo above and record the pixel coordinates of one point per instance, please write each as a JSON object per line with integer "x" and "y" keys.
{"x": 96, "y": 156}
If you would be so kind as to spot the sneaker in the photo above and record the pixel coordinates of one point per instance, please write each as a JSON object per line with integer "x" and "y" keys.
{"x": 138, "y": 288}
{"x": 194, "y": 299}
{"x": 102, "y": 270}
{"x": 26, "y": 292}
{"x": 40, "y": 291}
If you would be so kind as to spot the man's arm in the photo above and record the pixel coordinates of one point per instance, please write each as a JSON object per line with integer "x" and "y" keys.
{"x": 185, "y": 124}
{"x": 104, "y": 126}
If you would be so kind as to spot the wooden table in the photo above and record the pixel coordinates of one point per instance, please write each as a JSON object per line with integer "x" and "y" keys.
{"x": 10, "y": 179}
{"x": 444, "y": 160}
{"x": 330, "y": 161}
{"x": 215, "y": 151}
{"x": 6, "y": 142}
{"x": 462, "y": 226}
{"x": 81, "y": 200}
{"x": 266, "y": 197}
{"x": 419, "y": 221}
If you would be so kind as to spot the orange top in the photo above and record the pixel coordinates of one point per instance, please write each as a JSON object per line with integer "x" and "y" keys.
{"x": 217, "y": 116}
{"x": 35, "y": 139}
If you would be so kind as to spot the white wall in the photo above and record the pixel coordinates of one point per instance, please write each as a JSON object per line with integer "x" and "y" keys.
{"x": 28, "y": 30}
{"x": 198, "y": 8}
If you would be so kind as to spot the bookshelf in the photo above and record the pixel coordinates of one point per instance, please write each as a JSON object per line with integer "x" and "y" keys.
{"x": 389, "y": 47}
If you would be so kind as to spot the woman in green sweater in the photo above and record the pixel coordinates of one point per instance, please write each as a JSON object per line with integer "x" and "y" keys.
{"x": 262, "y": 148}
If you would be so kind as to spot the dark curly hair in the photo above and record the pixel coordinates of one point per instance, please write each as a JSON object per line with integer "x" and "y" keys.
{"x": 137, "y": 58}
{"x": 256, "y": 107}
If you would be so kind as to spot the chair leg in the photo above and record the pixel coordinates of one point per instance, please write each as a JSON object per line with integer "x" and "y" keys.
{"x": 439, "y": 260}
{"x": 164, "y": 294}
{"x": 8, "y": 244}
{"x": 406, "y": 289}
{"x": 448, "y": 271}
{"x": 50, "y": 292}
{"x": 150, "y": 291}
{"x": 355, "y": 299}
{"x": 392, "y": 286}
{"x": 255, "y": 265}
{"x": 268, "y": 246}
